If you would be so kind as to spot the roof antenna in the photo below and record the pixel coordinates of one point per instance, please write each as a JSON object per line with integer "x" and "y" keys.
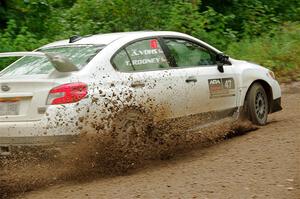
{"x": 74, "y": 38}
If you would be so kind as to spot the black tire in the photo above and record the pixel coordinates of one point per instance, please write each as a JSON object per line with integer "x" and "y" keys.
{"x": 257, "y": 106}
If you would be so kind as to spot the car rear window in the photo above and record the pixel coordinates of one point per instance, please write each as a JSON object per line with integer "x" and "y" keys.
{"x": 79, "y": 55}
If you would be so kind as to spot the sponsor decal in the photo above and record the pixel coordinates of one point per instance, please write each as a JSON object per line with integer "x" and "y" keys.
{"x": 136, "y": 52}
{"x": 221, "y": 87}
{"x": 137, "y": 62}
{"x": 153, "y": 43}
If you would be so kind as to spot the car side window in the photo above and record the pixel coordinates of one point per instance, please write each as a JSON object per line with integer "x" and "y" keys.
{"x": 189, "y": 54}
{"x": 122, "y": 62}
{"x": 147, "y": 55}
{"x": 144, "y": 55}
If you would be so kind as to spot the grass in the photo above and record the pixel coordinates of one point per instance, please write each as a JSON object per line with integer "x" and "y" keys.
{"x": 279, "y": 52}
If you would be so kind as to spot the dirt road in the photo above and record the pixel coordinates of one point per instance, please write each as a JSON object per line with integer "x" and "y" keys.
{"x": 261, "y": 164}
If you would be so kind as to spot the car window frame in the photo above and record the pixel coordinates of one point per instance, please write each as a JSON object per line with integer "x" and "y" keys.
{"x": 175, "y": 66}
{"x": 158, "y": 38}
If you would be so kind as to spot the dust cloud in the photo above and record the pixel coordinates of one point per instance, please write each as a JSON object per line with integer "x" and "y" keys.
{"x": 102, "y": 155}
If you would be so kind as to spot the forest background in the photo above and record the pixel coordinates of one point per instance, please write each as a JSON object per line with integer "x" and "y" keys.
{"x": 263, "y": 31}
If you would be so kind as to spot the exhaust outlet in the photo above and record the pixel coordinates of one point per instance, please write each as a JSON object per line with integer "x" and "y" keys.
{"x": 5, "y": 150}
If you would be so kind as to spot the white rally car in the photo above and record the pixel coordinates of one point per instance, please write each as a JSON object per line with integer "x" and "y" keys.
{"x": 83, "y": 84}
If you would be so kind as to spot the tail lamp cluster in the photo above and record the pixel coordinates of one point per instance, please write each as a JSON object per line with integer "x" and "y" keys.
{"x": 67, "y": 93}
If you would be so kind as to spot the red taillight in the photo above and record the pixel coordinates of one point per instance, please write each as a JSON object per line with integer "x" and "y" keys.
{"x": 67, "y": 93}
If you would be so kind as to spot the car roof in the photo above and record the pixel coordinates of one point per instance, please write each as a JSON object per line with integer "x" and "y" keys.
{"x": 107, "y": 38}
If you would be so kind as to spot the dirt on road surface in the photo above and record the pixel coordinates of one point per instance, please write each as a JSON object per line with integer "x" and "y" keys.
{"x": 264, "y": 163}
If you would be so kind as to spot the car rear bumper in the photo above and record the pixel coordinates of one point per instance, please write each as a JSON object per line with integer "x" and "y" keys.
{"x": 13, "y": 144}
{"x": 34, "y": 133}
{"x": 37, "y": 140}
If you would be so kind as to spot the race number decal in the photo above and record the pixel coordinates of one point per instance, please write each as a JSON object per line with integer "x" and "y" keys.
{"x": 222, "y": 87}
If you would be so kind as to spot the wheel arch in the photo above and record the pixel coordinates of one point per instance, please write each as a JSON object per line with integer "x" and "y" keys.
{"x": 268, "y": 89}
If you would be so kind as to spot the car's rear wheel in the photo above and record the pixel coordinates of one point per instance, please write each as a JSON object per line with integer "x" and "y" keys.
{"x": 131, "y": 129}
{"x": 257, "y": 105}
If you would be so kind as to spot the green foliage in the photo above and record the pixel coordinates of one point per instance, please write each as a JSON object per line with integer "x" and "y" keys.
{"x": 279, "y": 52}
{"x": 233, "y": 24}
{"x": 217, "y": 26}
{"x": 184, "y": 17}
{"x": 17, "y": 39}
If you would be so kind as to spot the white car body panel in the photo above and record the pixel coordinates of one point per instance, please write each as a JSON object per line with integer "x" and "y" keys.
{"x": 165, "y": 92}
{"x": 247, "y": 73}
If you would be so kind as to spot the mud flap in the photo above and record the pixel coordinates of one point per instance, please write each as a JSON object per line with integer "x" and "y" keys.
{"x": 236, "y": 115}
{"x": 276, "y": 105}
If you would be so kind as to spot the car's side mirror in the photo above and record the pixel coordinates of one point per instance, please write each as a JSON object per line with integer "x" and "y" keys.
{"x": 221, "y": 60}
{"x": 220, "y": 68}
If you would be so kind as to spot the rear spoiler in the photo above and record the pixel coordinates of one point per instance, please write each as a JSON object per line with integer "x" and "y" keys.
{"x": 60, "y": 63}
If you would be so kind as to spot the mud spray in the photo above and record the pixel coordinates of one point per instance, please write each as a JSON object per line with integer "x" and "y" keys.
{"x": 98, "y": 155}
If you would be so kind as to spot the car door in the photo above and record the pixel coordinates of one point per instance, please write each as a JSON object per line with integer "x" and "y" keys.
{"x": 211, "y": 90}
{"x": 144, "y": 67}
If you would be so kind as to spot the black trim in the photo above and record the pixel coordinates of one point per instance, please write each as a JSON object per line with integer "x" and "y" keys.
{"x": 276, "y": 105}
{"x": 167, "y": 52}
{"x": 129, "y": 59}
